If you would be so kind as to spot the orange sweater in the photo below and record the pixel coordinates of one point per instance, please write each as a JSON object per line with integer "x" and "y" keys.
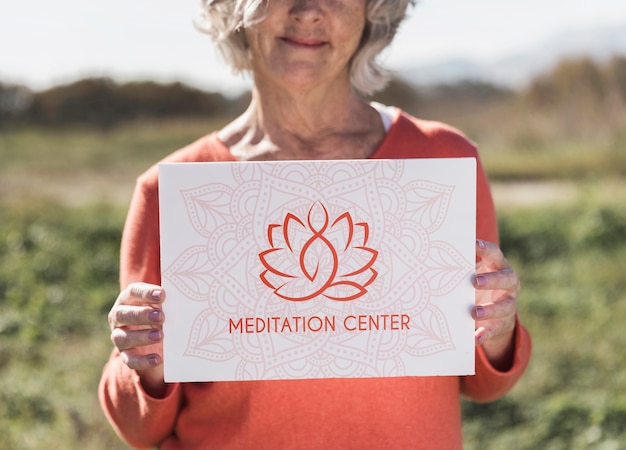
{"x": 398, "y": 413}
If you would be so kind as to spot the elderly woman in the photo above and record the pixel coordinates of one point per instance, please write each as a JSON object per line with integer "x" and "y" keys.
{"x": 311, "y": 61}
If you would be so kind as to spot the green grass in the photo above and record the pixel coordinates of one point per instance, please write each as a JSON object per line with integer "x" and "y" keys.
{"x": 129, "y": 148}
{"x": 58, "y": 275}
{"x": 522, "y": 150}
{"x": 573, "y": 302}
{"x": 521, "y": 142}
{"x": 543, "y": 160}
{"x": 58, "y": 278}
{"x": 59, "y": 271}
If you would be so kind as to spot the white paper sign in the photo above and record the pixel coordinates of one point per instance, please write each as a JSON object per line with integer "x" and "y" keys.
{"x": 318, "y": 269}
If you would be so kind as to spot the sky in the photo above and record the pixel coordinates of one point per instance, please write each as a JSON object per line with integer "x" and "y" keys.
{"x": 43, "y": 42}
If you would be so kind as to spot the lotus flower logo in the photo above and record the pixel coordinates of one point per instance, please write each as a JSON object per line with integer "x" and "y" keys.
{"x": 316, "y": 257}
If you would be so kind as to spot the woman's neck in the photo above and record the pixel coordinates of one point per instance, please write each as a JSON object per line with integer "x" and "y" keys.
{"x": 281, "y": 125}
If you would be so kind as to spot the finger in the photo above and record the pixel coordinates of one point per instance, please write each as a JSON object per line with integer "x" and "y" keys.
{"x": 491, "y": 255}
{"x": 127, "y": 315}
{"x": 505, "y": 307}
{"x": 505, "y": 279}
{"x": 125, "y": 339}
{"x": 141, "y": 293}
{"x": 481, "y": 335}
{"x": 493, "y": 329}
{"x": 141, "y": 362}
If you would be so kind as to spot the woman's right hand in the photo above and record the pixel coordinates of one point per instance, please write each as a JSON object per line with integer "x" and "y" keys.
{"x": 136, "y": 321}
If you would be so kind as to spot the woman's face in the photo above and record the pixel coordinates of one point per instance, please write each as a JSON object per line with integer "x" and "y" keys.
{"x": 303, "y": 43}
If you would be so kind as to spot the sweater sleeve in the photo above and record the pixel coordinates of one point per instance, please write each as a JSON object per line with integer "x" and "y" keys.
{"x": 137, "y": 418}
{"x": 411, "y": 138}
{"x": 488, "y": 383}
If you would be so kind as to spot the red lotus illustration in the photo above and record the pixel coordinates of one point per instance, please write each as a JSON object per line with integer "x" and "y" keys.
{"x": 315, "y": 257}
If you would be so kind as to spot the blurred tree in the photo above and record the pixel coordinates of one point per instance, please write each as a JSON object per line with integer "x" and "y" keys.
{"x": 102, "y": 102}
{"x": 580, "y": 92}
{"x": 578, "y": 81}
{"x": 581, "y": 98}
{"x": 471, "y": 90}
{"x": 616, "y": 73}
{"x": 91, "y": 101}
{"x": 15, "y": 100}
{"x": 150, "y": 99}
{"x": 398, "y": 93}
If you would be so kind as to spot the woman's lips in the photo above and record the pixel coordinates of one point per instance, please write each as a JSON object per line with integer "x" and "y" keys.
{"x": 303, "y": 42}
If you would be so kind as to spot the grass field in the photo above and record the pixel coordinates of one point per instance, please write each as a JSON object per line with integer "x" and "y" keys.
{"x": 63, "y": 197}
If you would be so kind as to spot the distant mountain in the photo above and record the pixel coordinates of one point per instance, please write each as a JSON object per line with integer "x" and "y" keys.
{"x": 520, "y": 68}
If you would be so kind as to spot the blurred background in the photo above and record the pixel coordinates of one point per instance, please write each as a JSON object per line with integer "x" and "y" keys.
{"x": 93, "y": 93}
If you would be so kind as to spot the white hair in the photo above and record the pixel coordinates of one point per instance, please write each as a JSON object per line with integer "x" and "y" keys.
{"x": 225, "y": 20}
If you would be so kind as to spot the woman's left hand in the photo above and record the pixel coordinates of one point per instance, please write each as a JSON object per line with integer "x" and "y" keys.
{"x": 497, "y": 287}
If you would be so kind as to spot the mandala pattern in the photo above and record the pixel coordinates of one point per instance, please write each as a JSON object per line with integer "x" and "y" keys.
{"x": 317, "y": 241}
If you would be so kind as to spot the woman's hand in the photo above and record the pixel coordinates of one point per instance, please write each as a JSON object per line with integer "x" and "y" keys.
{"x": 495, "y": 311}
{"x": 136, "y": 321}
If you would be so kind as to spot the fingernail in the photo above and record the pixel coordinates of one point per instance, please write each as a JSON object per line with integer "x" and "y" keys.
{"x": 481, "y": 280}
{"x": 156, "y": 295}
{"x": 154, "y": 360}
{"x": 480, "y": 243}
{"x": 154, "y": 335}
{"x": 479, "y": 312}
{"x": 155, "y": 315}
{"x": 480, "y": 339}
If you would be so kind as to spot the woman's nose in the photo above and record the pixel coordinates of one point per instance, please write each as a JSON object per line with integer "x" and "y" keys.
{"x": 307, "y": 10}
